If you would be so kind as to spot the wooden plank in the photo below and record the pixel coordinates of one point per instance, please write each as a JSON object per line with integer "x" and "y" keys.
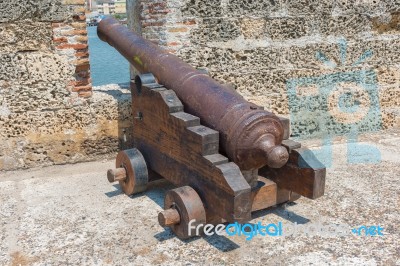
{"x": 264, "y": 195}
{"x": 303, "y": 174}
{"x": 291, "y": 145}
{"x": 186, "y": 119}
{"x": 286, "y": 127}
{"x": 207, "y": 139}
{"x": 267, "y": 194}
{"x": 171, "y": 100}
{"x": 175, "y": 146}
{"x": 228, "y": 205}
{"x": 217, "y": 159}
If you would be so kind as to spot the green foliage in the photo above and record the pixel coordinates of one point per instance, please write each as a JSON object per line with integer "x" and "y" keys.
{"x": 119, "y": 16}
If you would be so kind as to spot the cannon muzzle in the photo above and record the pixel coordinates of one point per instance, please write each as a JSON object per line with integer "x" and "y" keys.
{"x": 249, "y": 136}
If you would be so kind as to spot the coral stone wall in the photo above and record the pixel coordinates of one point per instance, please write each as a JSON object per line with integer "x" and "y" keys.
{"x": 333, "y": 67}
{"x": 47, "y": 112}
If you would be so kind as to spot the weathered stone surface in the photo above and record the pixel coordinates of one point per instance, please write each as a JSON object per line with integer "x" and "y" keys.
{"x": 253, "y": 8}
{"x": 73, "y": 2}
{"x": 12, "y": 68}
{"x": 40, "y": 10}
{"x": 228, "y": 60}
{"x": 215, "y": 30}
{"x": 375, "y": 52}
{"x": 67, "y": 135}
{"x": 388, "y": 75}
{"x": 390, "y": 118}
{"x": 34, "y": 68}
{"x": 307, "y": 7}
{"x": 348, "y": 26}
{"x": 339, "y": 53}
{"x": 261, "y": 47}
{"x": 388, "y": 23}
{"x": 39, "y": 109}
{"x": 301, "y": 55}
{"x": 390, "y": 97}
{"x": 48, "y": 68}
{"x": 202, "y": 8}
{"x": 57, "y": 216}
{"x": 287, "y": 28}
{"x": 24, "y": 98}
{"x": 25, "y": 36}
{"x": 261, "y": 59}
{"x": 253, "y": 28}
{"x": 393, "y": 6}
{"x": 370, "y": 7}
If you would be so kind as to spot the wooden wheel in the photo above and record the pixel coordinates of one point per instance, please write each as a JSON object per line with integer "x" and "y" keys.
{"x": 131, "y": 172}
{"x": 183, "y": 205}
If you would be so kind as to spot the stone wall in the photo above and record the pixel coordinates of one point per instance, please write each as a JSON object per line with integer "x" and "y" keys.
{"x": 333, "y": 67}
{"x": 48, "y": 114}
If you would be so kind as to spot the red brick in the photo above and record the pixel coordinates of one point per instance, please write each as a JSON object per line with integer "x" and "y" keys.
{"x": 74, "y": 32}
{"x": 57, "y": 25}
{"x": 171, "y": 51}
{"x": 178, "y": 29}
{"x": 73, "y": 2}
{"x": 81, "y": 68}
{"x": 82, "y": 54}
{"x": 162, "y": 12}
{"x": 187, "y": 22}
{"x": 79, "y": 17}
{"x": 82, "y": 61}
{"x": 82, "y": 82}
{"x": 60, "y": 40}
{"x": 76, "y": 46}
{"x": 82, "y": 88}
{"x": 157, "y": 6}
{"x": 79, "y": 9}
{"x": 153, "y": 24}
{"x": 82, "y": 73}
{"x": 79, "y": 25}
{"x": 85, "y": 94}
{"x": 173, "y": 43}
{"x": 155, "y": 17}
{"x": 81, "y": 38}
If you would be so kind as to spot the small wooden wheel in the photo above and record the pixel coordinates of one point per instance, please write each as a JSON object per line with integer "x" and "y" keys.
{"x": 131, "y": 172}
{"x": 183, "y": 205}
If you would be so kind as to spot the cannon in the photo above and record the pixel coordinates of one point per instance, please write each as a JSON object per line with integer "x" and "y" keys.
{"x": 227, "y": 157}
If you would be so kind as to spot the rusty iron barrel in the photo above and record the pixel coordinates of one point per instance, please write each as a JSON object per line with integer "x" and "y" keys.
{"x": 249, "y": 136}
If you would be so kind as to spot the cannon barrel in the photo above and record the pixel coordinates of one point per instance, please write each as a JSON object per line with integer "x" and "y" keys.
{"x": 249, "y": 136}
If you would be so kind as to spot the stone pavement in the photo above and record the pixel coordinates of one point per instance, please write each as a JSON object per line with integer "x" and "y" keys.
{"x": 70, "y": 214}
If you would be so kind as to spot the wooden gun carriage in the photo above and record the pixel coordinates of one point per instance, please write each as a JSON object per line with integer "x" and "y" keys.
{"x": 226, "y": 156}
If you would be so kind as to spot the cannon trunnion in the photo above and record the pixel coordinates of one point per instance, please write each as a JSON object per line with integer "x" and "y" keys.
{"x": 226, "y": 163}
